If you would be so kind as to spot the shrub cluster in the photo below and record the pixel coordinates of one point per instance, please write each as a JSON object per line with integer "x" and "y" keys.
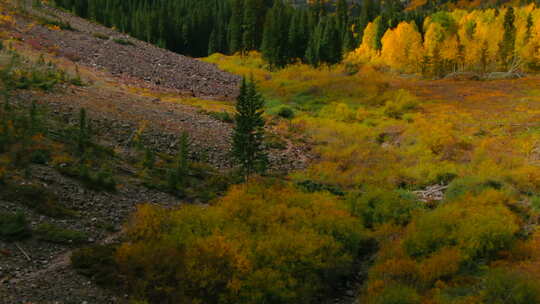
{"x": 263, "y": 243}
{"x": 14, "y": 227}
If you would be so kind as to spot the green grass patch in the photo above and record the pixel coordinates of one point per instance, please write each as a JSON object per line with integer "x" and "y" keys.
{"x": 99, "y": 180}
{"x": 37, "y": 198}
{"x": 13, "y": 227}
{"x": 98, "y": 263}
{"x": 100, "y": 36}
{"x": 225, "y": 117}
{"x": 51, "y": 22}
{"x": 54, "y": 234}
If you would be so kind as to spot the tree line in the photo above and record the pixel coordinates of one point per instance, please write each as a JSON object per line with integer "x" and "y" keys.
{"x": 482, "y": 41}
{"x": 320, "y": 32}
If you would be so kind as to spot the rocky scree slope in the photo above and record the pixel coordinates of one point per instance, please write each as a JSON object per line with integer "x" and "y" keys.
{"x": 97, "y": 46}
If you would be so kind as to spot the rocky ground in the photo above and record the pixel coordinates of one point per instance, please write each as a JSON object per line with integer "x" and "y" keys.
{"x": 36, "y": 271}
{"x": 97, "y": 46}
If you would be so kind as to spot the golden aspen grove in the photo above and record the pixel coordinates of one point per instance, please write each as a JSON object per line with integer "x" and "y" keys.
{"x": 457, "y": 40}
{"x": 355, "y": 152}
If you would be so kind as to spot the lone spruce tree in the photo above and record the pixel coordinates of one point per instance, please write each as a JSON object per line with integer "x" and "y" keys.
{"x": 506, "y": 47}
{"x": 248, "y": 147}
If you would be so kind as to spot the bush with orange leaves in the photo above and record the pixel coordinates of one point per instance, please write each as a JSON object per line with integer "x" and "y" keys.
{"x": 266, "y": 242}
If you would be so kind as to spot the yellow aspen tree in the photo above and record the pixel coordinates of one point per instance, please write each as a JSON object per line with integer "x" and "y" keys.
{"x": 366, "y": 52}
{"x": 466, "y": 30}
{"x": 402, "y": 47}
{"x": 529, "y": 48}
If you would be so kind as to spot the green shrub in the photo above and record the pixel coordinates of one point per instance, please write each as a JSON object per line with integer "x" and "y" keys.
{"x": 470, "y": 185}
{"x": 380, "y": 206}
{"x": 98, "y": 263}
{"x": 35, "y": 197}
{"x": 478, "y": 229}
{"x": 286, "y": 112}
{"x": 40, "y": 157}
{"x": 100, "y": 36}
{"x": 510, "y": 287}
{"x": 19, "y": 74}
{"x": 61, "y": 24}
{"x": 222, "y": 116}
{"x": 401, "y": 102}
{"x": 274, "y": 141}
{"x": 311, "y": 187}
{"x": 123, "y": 41}
{"x": 398, "y": 294}
{"x": 13, "y": 227}
{"x": 102, "y": 180}
{"x": 55, "y": 234}
{"x": 535, "y": 203}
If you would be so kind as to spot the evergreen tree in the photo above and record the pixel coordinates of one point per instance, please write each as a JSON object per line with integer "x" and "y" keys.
{"x": 506, "y": 48}
{"x": 248, "y": 147}
{"x": 342, "y": 15}
{"x": 382, "y": 27}
{"x": 529, "y": 28}
{"x": 330, "y": 44}
{"x": 249, "y": 35}
{"x": 313, "y": 51}
{"x": 276, "y": 32}
{"x": 349, "y": 42}
{"x": 235, "y": 27}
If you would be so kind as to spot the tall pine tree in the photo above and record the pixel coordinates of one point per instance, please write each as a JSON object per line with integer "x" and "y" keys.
{"x": 506, "y": 47}
{"x": 276, "y": 35}
{"x": 248, "y": 136}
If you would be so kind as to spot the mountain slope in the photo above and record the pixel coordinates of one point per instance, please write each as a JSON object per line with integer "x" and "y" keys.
{"x": 96, "y": 46}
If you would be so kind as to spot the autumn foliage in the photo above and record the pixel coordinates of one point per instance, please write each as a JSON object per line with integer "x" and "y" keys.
{"x": 458, "y": 40}
{"x": 266, "y": 242}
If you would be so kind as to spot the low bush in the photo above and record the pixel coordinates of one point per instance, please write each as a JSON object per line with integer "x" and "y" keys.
{"x": 222, "y": 116}
{"x": 263, "y": 243}
{"x": 55, "y": 23}
{"x": 35, "y": 197}
{"x": 55, "y": 234}
{"x": 381, "y": 206}
{"x": 13, "y": 227}
{"x": 100, "y": 36}
{"x": 401, "y": 103}
{"x": 274, "y": 141}
{"x": 470, "y": 185}
{"x": 312, "y": 187}
{"x": 509, "y": 287}
{"x": 21, "y": 74}
{"x": 286, "y": 112}
{"x": 102, "y": 180}
{"x": 476, "y": 226}
{"x": 98, "y": 263}
{"x": 398, "y": 294}
{"x": 40, "y": 157}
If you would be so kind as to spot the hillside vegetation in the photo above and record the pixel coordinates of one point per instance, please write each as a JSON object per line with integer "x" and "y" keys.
{"x": 444, "y": 183}
{"x": 384, "y": 188}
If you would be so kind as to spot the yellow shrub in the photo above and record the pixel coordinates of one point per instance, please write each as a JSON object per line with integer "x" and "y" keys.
{"x": 263, "y": 241}
{"x": 440, "y": 265}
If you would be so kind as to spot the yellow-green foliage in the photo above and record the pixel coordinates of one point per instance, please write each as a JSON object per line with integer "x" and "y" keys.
{"x": 264, "y": 242}
{"x": 454, "y": 40}
{"x": 377, "y": 142}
